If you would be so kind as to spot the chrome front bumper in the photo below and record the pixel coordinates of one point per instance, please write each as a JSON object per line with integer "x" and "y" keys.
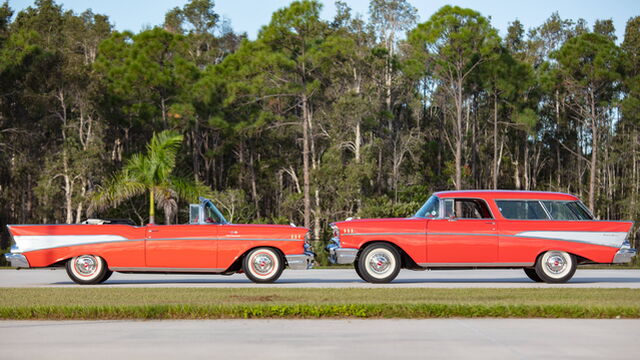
{"x": 624, "y": 255}
{"x": 339, "y": 255}
{"x": 299, "y": 262}
{"x": 302, "y": 261}
{"x": 17, "y": 260}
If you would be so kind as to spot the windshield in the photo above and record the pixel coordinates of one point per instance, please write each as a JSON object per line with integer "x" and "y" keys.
{"x": 211, "y": 213}
{"x": 430, "y": 209}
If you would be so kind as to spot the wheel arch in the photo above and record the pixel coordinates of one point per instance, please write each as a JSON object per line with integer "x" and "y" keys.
{"x": 407, "y": 261}
{"x": 236, "y": 265}
{"x": 580, "y": 260}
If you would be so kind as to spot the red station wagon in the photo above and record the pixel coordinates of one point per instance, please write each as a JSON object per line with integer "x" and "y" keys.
{"x": 545, "y": 233}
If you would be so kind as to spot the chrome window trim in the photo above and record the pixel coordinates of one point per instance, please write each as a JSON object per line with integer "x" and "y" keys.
{"x": 544, "y": 208}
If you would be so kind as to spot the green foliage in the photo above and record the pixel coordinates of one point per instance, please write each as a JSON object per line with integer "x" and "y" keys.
{"x": 453, "y": 40}
{"x": 152, "y": 173}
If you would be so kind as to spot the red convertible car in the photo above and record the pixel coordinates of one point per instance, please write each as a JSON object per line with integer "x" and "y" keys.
{"x": 546, "y": 234}
{"x": 208, "y": 244}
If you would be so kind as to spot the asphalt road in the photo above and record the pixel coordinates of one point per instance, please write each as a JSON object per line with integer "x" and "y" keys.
{"x": 334, "y": 278}
{"x": 321, "y": 339}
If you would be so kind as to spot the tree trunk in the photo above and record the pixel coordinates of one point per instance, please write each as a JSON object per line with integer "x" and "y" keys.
{"x": 254, "y": 188}
{"x": 317, "y": 213}
{"x": 306, "y": 182}
{"x": 458, "y": 154}
{"x": 357, "y": 142}
{"x": 525, "y": 172}
{"x": 594, "y": 156}
{"x": 152, "y": 207}
{"x": 495, "y": 140}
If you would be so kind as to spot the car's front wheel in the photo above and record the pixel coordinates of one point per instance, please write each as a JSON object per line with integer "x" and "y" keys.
{"x": 263, "y": 265}
{"x": 379, "y": 263}
{"x": 88, "y": 269}
{"x": 556, "y": 266}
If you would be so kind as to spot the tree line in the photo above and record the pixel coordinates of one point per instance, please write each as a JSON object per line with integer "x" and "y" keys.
{"x": 315, "y": 120}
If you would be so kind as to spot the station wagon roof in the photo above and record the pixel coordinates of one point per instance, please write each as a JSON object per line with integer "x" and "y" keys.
{"x": 507, "y": 194}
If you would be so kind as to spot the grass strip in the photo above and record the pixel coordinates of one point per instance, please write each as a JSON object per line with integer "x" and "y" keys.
{"x": 92, "y": 303}
{"x": 302, "y": 311}
{"x": 117, "y": 296}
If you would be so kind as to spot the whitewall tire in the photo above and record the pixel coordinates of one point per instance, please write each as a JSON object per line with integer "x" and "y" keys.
{"x": 556, "y": 266}
{"x": 263, "y": 265}
{"x": 379, "y": 263}
{"x": 87, "y": 269}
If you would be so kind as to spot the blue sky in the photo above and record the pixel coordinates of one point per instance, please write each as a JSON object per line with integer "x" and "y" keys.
{"x": 249, "y": 15}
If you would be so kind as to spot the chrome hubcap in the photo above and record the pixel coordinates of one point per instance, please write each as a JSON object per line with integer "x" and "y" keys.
{"x": 379, "y": 263}
{"x": 556, "y": 264}
{"x": 262, "y": 264}
{"x": 86, "y": 265}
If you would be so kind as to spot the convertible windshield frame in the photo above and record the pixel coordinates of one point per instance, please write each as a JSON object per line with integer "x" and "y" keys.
{"x": 206, "y": 203}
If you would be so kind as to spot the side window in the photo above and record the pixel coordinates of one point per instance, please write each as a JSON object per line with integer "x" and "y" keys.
{"x": 194, "y": 213}
{"x": 566, "y": 210}
{"x": 521, "y": 210}
{"x": 471, "y": 209}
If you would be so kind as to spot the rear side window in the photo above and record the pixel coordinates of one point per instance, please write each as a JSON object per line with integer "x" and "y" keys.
{"x": 521, "y": 210}
{"x": 566, "y": 210}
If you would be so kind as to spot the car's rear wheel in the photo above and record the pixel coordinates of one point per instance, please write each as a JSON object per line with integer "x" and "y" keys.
{"x": 88, "y": 269}
{"x": 263, "y": 265}
{"x": 531, "y": 273}
{"x": 556, "y": 266}
{"x": 379, "y": 263}
{"x": 356, "y": 266}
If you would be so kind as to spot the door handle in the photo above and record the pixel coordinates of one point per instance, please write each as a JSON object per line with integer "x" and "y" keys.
{"x": 490, "y": 222}
{"x": 153, "y": 230}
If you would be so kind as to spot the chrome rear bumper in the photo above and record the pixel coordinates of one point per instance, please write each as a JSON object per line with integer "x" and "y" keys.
{"x": 17, "y": 260}
{"x": 624, "y": 255}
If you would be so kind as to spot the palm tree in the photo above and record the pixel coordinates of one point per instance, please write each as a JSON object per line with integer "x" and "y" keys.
{"x": 152, "y": 173}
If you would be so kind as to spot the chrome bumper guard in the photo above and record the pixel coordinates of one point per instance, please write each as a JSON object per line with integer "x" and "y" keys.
{"x": 624, "y": 255}
{"x": 339, "y": 255}
{"x": 17, "y": 260}
{"x": 302, "y": 261}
